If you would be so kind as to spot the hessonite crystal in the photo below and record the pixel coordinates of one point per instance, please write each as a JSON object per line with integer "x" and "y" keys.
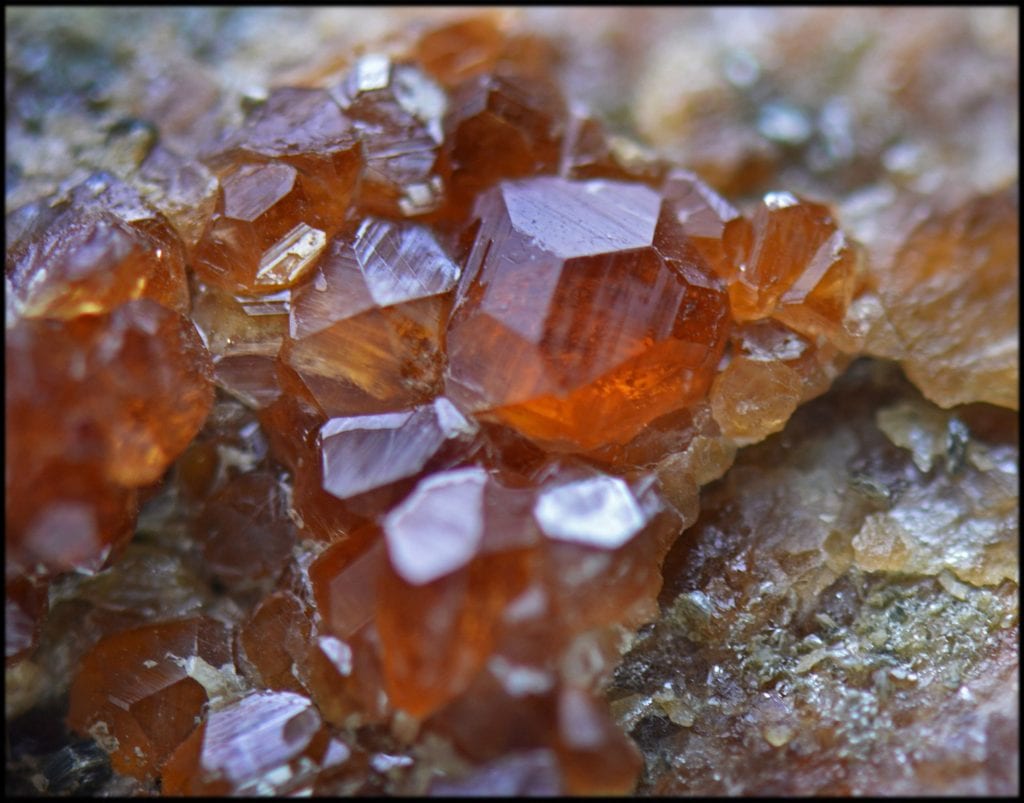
{"x": 605, "y": 316}
{"x": 366, "y": 332}
{"x": 100, "y": 247}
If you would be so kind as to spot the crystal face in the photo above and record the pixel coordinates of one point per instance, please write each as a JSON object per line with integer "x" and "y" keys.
{"x": 372, "y": 420}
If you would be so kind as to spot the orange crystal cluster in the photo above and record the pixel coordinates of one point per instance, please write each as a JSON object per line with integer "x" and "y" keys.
{"x": 471, "y": 331}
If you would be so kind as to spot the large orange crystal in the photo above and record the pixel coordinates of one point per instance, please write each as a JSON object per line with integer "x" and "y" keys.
{"x": 95, "y": 421}
{"x": 605, "y": 317}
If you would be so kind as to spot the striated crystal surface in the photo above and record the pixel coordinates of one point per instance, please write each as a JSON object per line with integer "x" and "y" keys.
{"x": 363, "y": 454}
{"x": 588, "y": 359}
{"x": 396, "y": 110}
{"x": 365, "y": 334}
{"x": 254, "y": 746}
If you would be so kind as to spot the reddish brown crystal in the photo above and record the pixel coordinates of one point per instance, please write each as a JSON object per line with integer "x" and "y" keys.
{"x": 274, "y": 641}
{"x": 244, "y": 530}
{"x": 86, "y": 390}
{"x": 244, "y": 335}
{"x": 792, "y": 262}
{"x": 605, "y": 317}
{"x": 461, "y": 49}
{"x": 520, "y": 117}
{"x": 183, "y": 189}
{"x": 469, "y": 594}
{"x": 951, "y": 303}
{"x": 137, "y": 692}
{"x": 95, "y": 421}
{"x": 396, "y": 110}
{"x": 240, "y": 747}
{"x": 365, "y": 333}
{"x": 99, "y": 248}
{"x": 370, "y": 461}
{"x": 287, "y": 178}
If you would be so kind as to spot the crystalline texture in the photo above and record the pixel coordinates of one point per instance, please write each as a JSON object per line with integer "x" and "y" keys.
{"x": 365, "y": 333}
{"x": 605, "y": 318}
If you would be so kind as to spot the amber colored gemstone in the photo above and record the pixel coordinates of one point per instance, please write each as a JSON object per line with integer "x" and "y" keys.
{"x": 25, "y": 606}
{"x": 101, "y": 247}
{"x": 792, "y": 262}
{"x": 344, "y": 580}
{"x": 605, "y": 541}
{"x": 703, "y": 216}
{"x": 461, "y": 49}
{"x": 86, "y": 390}
{"x": 270, "y": 742}
{"x": 318, "y": 514}
{"x": 292, "y": 421}
{"x": 522, "y": 118}
{"x": 244, "y": 531}
{"x": 244, "y": 335}
{"x": 258, "y": 240}
{"x": 595, "y": 755}
{"x": 365, "y": 333}
{"x": 137, "y": 692}
{"x": 772, "y": 371}
{"x": 396, "y": 110}
{"x": 468, "y": 47}
{"x": 287, "y": 179}
{"x": 345, "y": 679}
{"x": 604, "y": 315}
{"x": 62, "y": 517}
{"x": 527, "y": 715}
{"x": 371, "y": 461}
{"x": 343, "y": 664}
{"x": 305, "y": 129}
{"x": 274, "y": 641}
{"x": 183, "y": 189}
{"x": 436, "y": 636}
{"x": 952, "y": 303}
{"x": 95, "y": 420}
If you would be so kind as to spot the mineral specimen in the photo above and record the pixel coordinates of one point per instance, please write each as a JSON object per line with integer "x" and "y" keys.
{"x": 357, "y": 426}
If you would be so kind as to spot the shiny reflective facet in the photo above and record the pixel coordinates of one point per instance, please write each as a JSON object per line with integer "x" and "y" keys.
{"x": 365, "y": 332}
